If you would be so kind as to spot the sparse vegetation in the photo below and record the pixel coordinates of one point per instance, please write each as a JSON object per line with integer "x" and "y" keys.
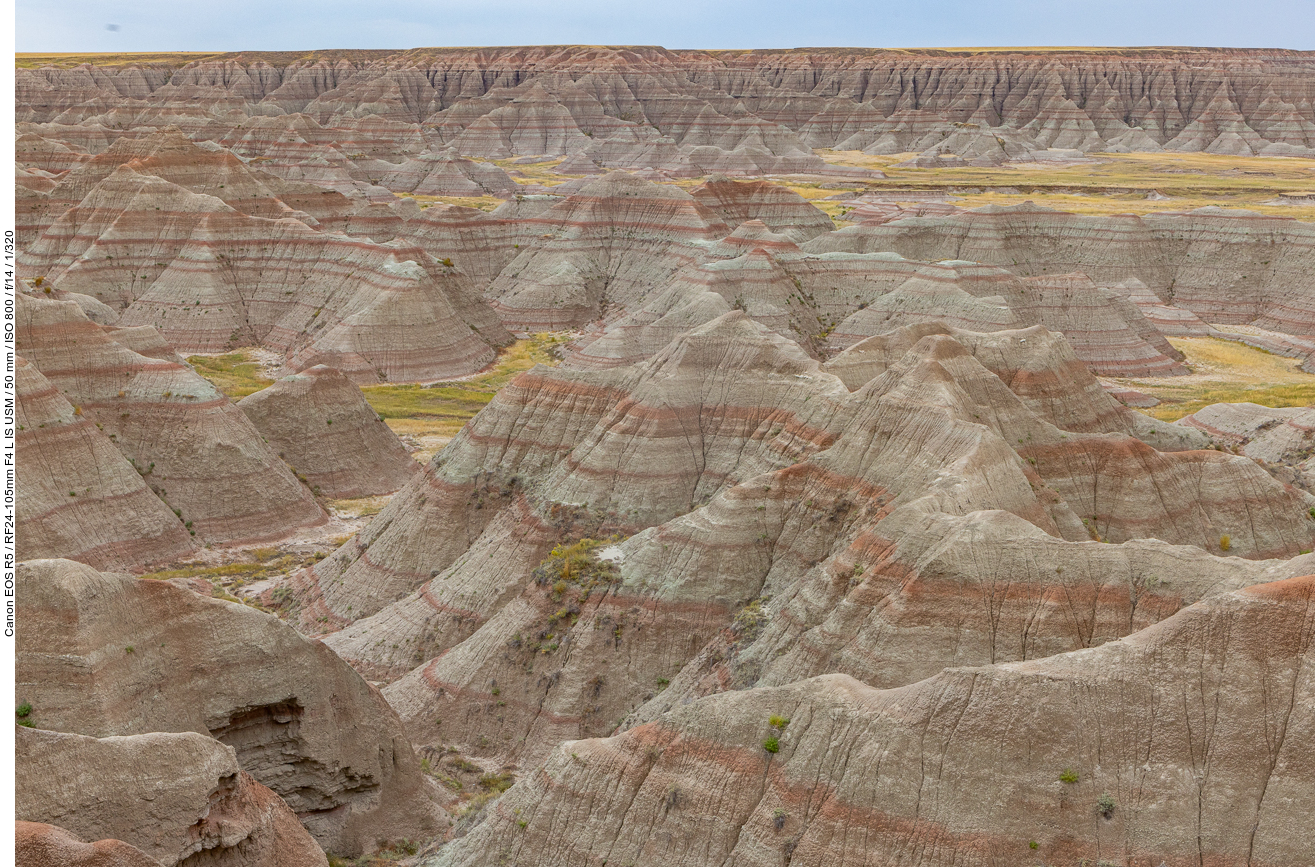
{"x": 1114, "y": 184}
{"x": 1224, "y": 371}
{"x": 772, "y": 744}
{"x": 1225, "y": 542}
{"x": 1068, "y": 776}
{"x": 236, "y": 373}
{"x": 777, "y": 722}
{"x": 1106, "y": 805}
{"x": 575, "y": 564}
{"x": 226, "y": 578}
{"x": 390, "y": 854}
{"x": 433, "y": 414}
{"x": 23, "y": 714}
{"x": 496, "y": 782}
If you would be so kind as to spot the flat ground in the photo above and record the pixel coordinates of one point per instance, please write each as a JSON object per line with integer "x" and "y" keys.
{"x": 1225, "y": 372}
{"x": 1109, "y": 183}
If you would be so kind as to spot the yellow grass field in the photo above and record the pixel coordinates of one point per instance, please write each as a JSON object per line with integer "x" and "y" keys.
{"x": 1112, "y": 184}
{"x": 1225, "y": 372}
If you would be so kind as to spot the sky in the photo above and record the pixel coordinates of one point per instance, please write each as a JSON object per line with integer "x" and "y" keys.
{"x": 270, "y": 25}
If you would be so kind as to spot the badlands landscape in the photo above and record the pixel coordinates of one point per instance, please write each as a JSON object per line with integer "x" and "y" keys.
{"x": 622, "y": 456}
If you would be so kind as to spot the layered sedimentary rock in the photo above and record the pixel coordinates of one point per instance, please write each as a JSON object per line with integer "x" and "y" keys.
{"x": 1232, "y": 267}
{"x": 78, "y": 496}
{"x": 448, "y": 174}
{"x": 195, "y": 450}
{"x": 929, "y": 470}
{"x": 828, "y": 300}
{"x": 1095, "y": 754}
{"x": 108, "y": 656}
{"x": 546, "y": 100}
{"x": 319, "y": 423}
{"x": 1282, "y": 438}
{"x": 779, "y": 209}
{"x": 177, "y": 798}
{"x": 212, "y": 278}
{"x": 618, "y": 235}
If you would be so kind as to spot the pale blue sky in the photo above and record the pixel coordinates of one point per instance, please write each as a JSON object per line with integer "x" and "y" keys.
{"x": 227, "y": 25}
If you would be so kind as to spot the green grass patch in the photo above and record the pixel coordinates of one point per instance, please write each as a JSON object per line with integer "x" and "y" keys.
{"x": 264, "y": 563}
{"x": 437, "y": 409}
{"x": 236, "y": 373}
{"x": 479, "y": 203}
{"x": 446, "y": 406}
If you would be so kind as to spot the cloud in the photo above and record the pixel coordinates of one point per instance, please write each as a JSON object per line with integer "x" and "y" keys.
{"x": 156, "y": 25}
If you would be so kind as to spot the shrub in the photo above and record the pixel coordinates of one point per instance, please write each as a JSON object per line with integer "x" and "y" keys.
{"x": 22, "y": 712}
{"x": 1105, "y": 805}
{"x": 1225, "y": 542}
{"x": 772, "y": 744}
{"x": 1031, "y": 844}
{"x": 496, "y": 782}
{"x": 1068, "y": 776}
{"x": 777, "y": 722}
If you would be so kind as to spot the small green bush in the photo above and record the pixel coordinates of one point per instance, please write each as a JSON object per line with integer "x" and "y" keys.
{"x": 1031, "y": 844}
{"x": 1225, "y": 542}
{"x": 777, "y": 722}
{"x": 1105, "y": 805}
{"x": 1068, "y": 776}
{"x": 22, "y": 712}
{"x": 772, "y": 744}
{"x": 496, "y": 782}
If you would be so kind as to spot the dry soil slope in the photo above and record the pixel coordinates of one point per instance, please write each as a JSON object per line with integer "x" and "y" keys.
{"x": 194, "y": 449}
{"x": 899, "y": 774}
{"x": 320, "y": 424}
{"x": 78, "y": 496}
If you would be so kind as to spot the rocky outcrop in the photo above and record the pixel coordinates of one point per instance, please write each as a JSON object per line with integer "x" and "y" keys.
{"x": 448, "y": 174}
{"x": 319, "y": 423}
{"x": 781, "y": 210}
{"x": 1094, "y": 754}
{"x": 581, "y": 259}
{"x": 107, "y": 656}
{"x": 180, "y": 799}
{"x": 554, "y": 99}
{"x": 37, "y": 844}
{"x": 827, "y": 302}
{"x": 195, "y": 450}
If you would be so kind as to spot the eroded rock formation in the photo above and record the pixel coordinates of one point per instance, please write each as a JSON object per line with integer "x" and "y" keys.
{"x": 110, "y": 656}
{"x": 319, "y": 423}
{"x": 180, "y": 799}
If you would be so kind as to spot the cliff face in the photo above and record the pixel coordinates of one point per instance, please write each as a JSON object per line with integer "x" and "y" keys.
{"x": 549, "y": 99}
